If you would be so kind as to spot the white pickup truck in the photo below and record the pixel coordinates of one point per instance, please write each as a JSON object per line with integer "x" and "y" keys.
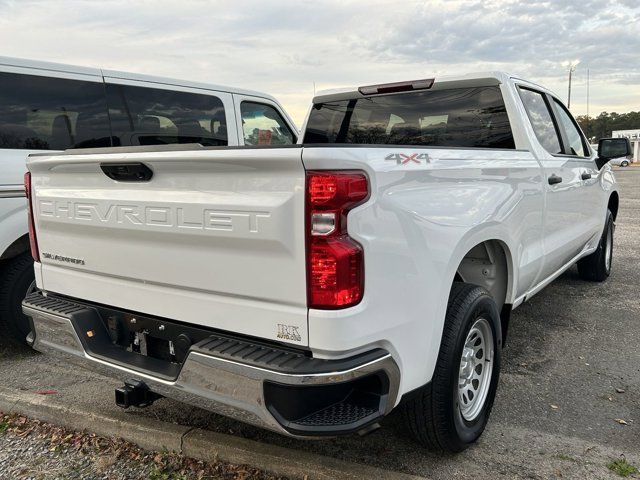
{"x": 313, "y": 288}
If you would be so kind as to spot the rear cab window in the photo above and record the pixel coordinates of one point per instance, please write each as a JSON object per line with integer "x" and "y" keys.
{"x": 473, "y": 117}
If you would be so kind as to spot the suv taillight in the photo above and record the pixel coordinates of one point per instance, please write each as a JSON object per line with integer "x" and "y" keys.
{"x": 335, "y": 263}
{"x": 32, "y": 230}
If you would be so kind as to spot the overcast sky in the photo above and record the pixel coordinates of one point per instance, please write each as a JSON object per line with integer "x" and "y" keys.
{"x": 283, "y": 47}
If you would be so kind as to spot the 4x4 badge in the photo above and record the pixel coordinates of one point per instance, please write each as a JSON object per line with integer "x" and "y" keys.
{"x": 404, "y": 158}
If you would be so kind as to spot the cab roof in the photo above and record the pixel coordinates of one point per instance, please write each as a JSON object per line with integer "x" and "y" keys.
{"x": 475, "y": 79}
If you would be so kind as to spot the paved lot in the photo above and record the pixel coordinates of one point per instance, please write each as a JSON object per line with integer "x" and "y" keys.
{"x": 571, "y": 369}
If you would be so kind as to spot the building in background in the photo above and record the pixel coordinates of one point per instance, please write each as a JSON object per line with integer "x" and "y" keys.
{"x": 634, "y": 136}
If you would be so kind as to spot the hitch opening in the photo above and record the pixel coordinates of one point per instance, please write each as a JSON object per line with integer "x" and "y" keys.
{"x": 135, "y": 393}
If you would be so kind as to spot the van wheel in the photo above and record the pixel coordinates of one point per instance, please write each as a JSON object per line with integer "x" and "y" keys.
{"x": 16, "y": 280}
{"x": 597, "y": 266}
{"x": 450, "y": 412}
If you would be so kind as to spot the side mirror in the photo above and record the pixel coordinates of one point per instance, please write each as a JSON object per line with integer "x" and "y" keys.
{"x": 609, "y": 148}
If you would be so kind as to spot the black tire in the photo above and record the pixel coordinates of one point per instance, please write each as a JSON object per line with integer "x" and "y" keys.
{"x": 16, "y": 278}
{"x": 597, "y": 266}
{"x": 624, "y": 164}
{"x": 433, "y": 414}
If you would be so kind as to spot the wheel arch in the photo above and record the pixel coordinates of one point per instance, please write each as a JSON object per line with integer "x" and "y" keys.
{"x": 614, "y": 204}
{"x": 489, "y": 263}
{"x": 21, "y": 245}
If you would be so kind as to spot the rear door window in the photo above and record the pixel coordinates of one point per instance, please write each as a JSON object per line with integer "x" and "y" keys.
{"x": 461, "y": 117}
{"x": 263, "y": 125}
{"x": 153, "y": 116}
{"x": 44, "y": 113}
{"x": 541, "y": 120}
{"x": 576, "y": 143}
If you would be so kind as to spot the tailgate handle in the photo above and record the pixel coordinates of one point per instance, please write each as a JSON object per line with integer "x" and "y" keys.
{"x": 127, "y": 172}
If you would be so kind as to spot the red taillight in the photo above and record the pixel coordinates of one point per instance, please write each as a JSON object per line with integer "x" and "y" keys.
{"x": 335, "y": 263}
{"x": 32, "y": 230}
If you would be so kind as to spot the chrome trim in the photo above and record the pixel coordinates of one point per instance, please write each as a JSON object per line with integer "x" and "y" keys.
{"x": 219, "y": 385}
{"x": 12, "y": 191}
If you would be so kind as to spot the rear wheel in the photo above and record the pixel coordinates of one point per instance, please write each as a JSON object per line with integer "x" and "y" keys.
{"x": 624, "y": 163}
{"x": 16, "y": 281}
{"x": 597, "y": 266}
{"x": 451, "y": 412}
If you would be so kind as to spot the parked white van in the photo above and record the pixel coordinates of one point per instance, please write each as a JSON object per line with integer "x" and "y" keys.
{"x": 48, "y": 106}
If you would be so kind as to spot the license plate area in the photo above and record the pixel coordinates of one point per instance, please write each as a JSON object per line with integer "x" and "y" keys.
{"x": 151, "y": 337}
{"x": 150, "y": 345}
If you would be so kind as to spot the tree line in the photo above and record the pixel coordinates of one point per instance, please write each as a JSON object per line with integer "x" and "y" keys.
{"x": 602, "y": 125}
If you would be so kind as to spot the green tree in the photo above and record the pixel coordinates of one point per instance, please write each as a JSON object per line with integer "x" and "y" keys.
{"x": 605, "y": 123}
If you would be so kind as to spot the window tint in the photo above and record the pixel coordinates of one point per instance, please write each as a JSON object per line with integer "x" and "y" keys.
{"x": 263, "y": 125}
{"x": 461, "y": 117}
{"x": 44, "y": 113}
{"x": 151, "y": 116}
{"x": 574, "y": 138}
{"x": 541, "y": 120}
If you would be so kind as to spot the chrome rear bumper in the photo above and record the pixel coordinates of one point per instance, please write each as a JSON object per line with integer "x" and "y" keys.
{"x": 230, "y": 387}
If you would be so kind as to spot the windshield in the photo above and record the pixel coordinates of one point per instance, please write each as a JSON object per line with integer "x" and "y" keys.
{"x": 461, "y": 117}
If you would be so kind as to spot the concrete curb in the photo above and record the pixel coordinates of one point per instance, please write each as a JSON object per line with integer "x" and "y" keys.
{"x": 144, "y": 432}
{"x": 195, "y": 443}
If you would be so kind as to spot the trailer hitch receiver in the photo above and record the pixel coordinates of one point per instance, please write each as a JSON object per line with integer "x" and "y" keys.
{"x": 135, "y": 393}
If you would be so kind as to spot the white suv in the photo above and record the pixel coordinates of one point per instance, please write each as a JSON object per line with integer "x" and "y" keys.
{"x": 46, "y": 106}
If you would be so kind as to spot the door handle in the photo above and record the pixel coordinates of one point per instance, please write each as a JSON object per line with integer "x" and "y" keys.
{"x": 127, "y": 172}
{"x": 585, "y": 176}
{"x": 553, "y": 179}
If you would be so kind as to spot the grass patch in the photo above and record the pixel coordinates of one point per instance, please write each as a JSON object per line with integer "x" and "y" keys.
{"x": 159, "y": 474}
{"x": 622, "y": 467}
{"x": 3, "y": 427}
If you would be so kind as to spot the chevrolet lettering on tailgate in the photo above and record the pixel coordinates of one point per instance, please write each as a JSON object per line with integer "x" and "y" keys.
{"x": 188, "y": 217}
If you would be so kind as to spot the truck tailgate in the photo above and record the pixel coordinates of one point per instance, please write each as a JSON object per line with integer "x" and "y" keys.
{"x": 214, "y": 238}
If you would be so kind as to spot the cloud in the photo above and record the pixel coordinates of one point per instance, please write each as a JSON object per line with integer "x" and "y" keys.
{"x": 285, "y": 47}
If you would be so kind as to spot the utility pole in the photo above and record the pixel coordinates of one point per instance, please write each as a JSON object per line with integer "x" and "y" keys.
{"x": 588, "y": 120}
{"x": 587, "y": 94}
{"x": 572, "y": 68}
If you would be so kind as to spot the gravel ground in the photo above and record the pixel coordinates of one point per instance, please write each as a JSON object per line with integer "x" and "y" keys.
{"x": 34, "y": 450}
{"x": 568, "y": 401}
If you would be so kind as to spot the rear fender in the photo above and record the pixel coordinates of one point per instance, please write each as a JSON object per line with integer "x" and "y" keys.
{"x": 13, "y": 227}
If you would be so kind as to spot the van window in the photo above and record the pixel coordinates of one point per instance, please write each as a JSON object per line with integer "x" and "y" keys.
{"x": 44, "y": 113}
{"x": 152, "y": 116}
{"x": 460, "y": 117}
{"x": 263, "y": 125}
